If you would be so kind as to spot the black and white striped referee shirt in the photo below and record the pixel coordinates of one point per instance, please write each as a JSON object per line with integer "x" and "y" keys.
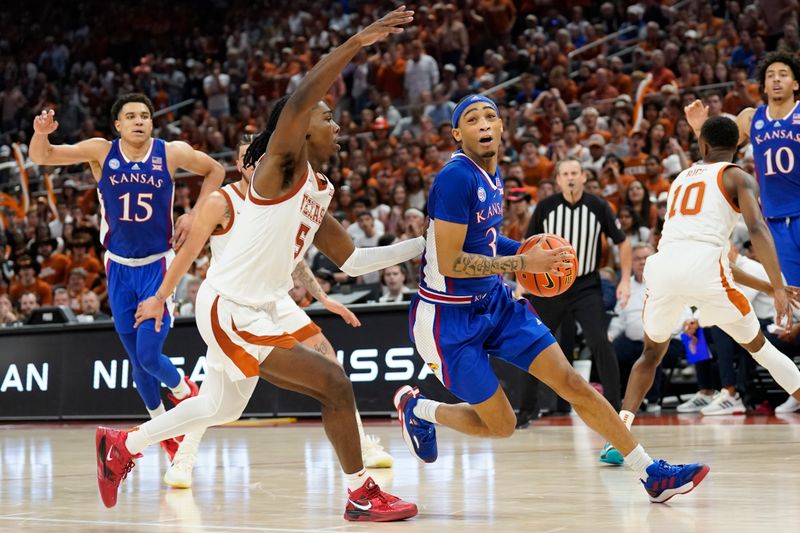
{"x": 582, "y": 224}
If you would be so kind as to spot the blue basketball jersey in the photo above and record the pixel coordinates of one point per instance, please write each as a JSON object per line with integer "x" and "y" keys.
{"x": 136, "y": 199}
{"x": 462, "y": 193}
{"x": 776, "y": 151}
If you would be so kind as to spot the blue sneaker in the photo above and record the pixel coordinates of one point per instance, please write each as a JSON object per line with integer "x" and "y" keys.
{"x": 665, "y": 480}
{"x": 420, "y": 435}
{"x": 610, "y": 455}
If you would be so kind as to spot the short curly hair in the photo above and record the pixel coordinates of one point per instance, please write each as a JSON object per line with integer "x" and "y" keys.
{"x": 140, "y": 98}
{"x": 780, "y": 56}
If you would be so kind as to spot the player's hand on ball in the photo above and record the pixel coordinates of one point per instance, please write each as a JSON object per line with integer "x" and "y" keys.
{"x": 45, "y": 122}
{"x": 538, "y": 259}
{"x": 385, "y": 26}
{"x": 340, "y": 309}
{"x": 150, "y": 309}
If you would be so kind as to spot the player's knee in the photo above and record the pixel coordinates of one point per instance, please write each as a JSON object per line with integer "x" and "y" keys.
{"x": 505, "y": 428}
{"x": 335, "y": 388}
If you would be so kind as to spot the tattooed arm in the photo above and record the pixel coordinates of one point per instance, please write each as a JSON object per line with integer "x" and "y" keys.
{"x": 454, "y": 262}
{"x": 303, "y": 274}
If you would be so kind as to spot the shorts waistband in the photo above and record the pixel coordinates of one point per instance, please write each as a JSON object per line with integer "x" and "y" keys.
{"x": 786, "y": 218}
{"x": 451, "y": 299}
{"x": 137, "y": 261}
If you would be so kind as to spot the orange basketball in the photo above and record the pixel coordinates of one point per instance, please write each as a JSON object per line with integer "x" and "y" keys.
{"x": 543, "y": 283}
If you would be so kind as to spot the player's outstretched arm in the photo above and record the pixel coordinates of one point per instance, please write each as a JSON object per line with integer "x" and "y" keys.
{"x": 211, "y": 213}
{"x": 333, "y": 241}
{"x": 42, "y": 152}
{"x": 289, "y": 137}
{"x": 454, "y": 262}
{"x": 743, "y": 120}
{"x": 744, "y": 188}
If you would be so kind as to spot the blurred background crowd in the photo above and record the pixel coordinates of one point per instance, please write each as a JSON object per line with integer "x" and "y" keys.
{"x": 602, "y": 81}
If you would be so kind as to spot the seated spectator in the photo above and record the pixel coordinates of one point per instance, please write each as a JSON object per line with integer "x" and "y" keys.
{"x": 299, "y": 294}
{"x": 326, "y": 281}
{"x": 187, "y": 305}
{"x": 76, "y": 287}
{"x": 8, "y": 318}
{"x": 613, "y": 182}
{"x": 54, "y": 265}
{"x": 27, "y": 280}
{"x": 393, "y": 280}
{"x": 597, "y": 152}
{"x": 79, "y": 250}
{"x": 655, "y": 182}
{"x": 27, "y": 303}
{"x": 626, "y": 330}
{"x": 519, "y": 213}
{"x": 90, "y": 303}
{"x": 535, "y": 167}
{"x": 638, "y": 198}
{"x": 61, "y": 297}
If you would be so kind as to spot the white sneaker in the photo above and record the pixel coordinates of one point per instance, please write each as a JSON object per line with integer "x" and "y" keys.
{"x": 724, "y": 404}
{"x": 789, "y": 406}
{"x": 373, "y": 454}
{"x": 179, "y": 473}
{"x": 695, "y": 403}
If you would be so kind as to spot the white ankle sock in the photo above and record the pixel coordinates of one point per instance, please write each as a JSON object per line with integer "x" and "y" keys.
{"x": 181, "y": 390}
{"x": 426, "y": 410}
{"x": 627, "y": 417}
{"x": 137, "y": 441}
{"x": 638, "y": 461}
{"x": 356, "y": 480}
{"x": 157, "y": 411}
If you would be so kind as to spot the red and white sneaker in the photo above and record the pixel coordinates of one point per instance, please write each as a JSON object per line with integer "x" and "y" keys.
{"x": 171, "y": 446}
{"x": 370, "y": 504}
{"x": 114, "y": 462}
{"x": 193, "y": 390}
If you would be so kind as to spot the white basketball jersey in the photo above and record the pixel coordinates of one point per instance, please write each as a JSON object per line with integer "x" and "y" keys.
{"x": 698, "y": 208}
{"x": 269, "y": 238}
{"x": 220, "y": 237}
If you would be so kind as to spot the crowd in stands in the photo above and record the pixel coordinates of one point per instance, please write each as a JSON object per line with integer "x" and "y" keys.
{"x": 570, "y": 93}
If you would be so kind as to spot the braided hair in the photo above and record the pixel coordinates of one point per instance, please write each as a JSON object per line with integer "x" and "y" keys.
{"x": 259, "y": 145}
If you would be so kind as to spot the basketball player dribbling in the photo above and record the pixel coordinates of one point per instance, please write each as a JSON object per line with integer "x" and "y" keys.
{"x": 691, "y": 268}
{"x": 285, "y": 211}
{"x": 463, "y": 314}
{"x": 135, "y": 186}
{"x": 215, "y": 221}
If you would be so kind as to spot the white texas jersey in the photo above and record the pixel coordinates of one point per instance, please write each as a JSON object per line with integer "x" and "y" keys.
{"x": 269, "y": 239}
{"x": 699, "y": 208}
{"x": 220, "y": 237}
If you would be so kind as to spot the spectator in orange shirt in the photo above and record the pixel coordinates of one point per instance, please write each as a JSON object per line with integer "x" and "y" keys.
{"x": 27, "y": 303}
{"x": 26, "y": 280}
{"x": 743, "y": 94}
{"x": 299, "y": 294}
{"x": 635, "y": 162}
{"x": 431, "y": 162}
{"x": 613, "y": 182}
{"x": 519, "y": 213}
{"x": 655, "y": 182}
{"x": 54, "y": 265}
{"x": 621, "y": 81}
{"x": 603, "y": 90}
{"x": 661, "y": 74}
{"x": 76, "y": 287}
{"x": 534, "y": 166}
{"x": 82, "y": 259}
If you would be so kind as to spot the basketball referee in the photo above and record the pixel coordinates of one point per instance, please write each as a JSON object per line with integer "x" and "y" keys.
{"x": 584, "y": 220}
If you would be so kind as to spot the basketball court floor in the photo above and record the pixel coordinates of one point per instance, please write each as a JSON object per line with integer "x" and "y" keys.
{"x": 545, "y": 478}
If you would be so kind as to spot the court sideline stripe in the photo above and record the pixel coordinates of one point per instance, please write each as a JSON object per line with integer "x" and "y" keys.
{"x": 22, "y": 520}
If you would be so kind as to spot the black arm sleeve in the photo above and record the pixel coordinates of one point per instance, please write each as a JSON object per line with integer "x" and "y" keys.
{"x": 536, "y": 224}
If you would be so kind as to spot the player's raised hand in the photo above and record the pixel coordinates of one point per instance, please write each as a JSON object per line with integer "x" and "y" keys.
{"x": 150, "y": 309}
{"x": 45, "y": 122}
{"x": 340, "y": 309}
{"x": 696, "y": 114}
{"x": 794, "y": 296}
{"x": 538, "y": 259}
{"x": 387, "y": 25}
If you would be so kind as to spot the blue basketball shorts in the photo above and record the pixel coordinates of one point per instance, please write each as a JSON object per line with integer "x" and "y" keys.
{"x": 786, "y": 233}
{"x": 129, "y": 285}
{"x": 456, "y": 340}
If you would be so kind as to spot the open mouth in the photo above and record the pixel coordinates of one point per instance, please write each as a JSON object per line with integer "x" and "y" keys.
{"x": 485, "y": 141}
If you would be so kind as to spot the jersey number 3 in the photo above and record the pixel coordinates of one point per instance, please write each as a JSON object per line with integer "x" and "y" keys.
{"x": 690, "y": 199}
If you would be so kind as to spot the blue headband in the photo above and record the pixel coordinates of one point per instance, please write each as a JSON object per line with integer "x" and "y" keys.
{"x": 466, "y": 102}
